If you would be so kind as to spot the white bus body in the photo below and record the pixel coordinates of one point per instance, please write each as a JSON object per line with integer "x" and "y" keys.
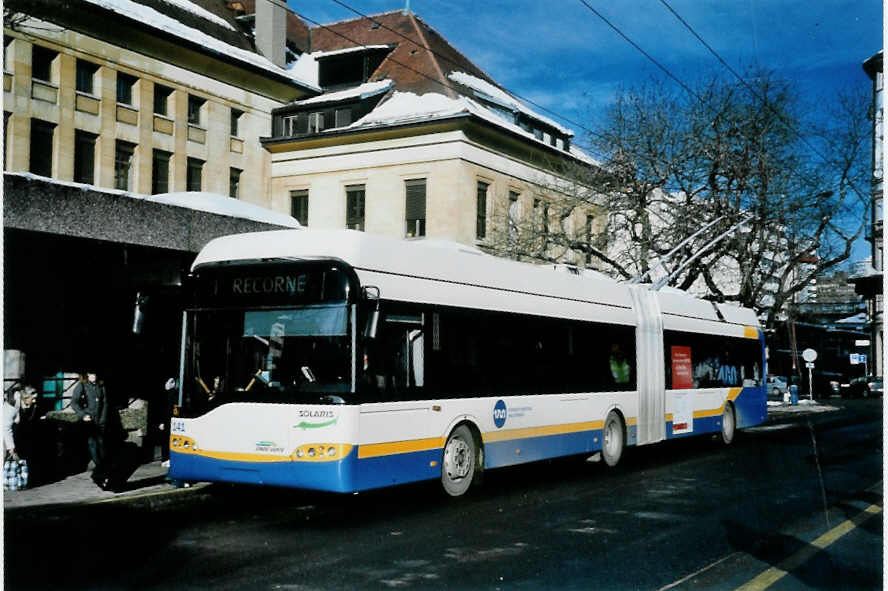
{"x": 503, "y": 360}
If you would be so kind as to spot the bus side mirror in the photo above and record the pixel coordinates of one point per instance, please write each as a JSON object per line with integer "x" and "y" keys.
{"x": 371, "y": 296}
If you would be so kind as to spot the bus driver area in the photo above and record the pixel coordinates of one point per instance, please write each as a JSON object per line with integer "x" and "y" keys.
{"x": 342, "y": 361}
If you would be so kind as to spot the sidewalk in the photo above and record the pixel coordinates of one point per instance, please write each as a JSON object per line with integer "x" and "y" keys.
{"x": 148, "y": 479}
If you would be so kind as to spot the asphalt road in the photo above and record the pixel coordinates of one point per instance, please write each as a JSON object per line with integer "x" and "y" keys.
{"x": 793, "y": 505}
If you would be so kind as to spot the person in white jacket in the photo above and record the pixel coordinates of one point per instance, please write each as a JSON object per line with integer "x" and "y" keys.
{"x": 11, "y": 406}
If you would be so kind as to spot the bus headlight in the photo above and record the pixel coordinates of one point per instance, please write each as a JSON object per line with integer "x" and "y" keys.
{"x": 331, "y": 451}
{"x": 300, "y": 453}
{"x": 311, "y": 452}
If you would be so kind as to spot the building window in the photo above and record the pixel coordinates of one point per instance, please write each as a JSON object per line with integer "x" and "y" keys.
{"x": 481, "y": 211}
{"x": 299, "y": 206}
{"x": 123, "y": 165}
{"x": 41, "y": 63}
{"x": 195, "y": 105}
{"x": 41, "y": 147}
{"x": 415, "y": 208}
{"x": 161, "y": 99}
{"x": 84, "y": 157}
{"x": 160, "y": 172}
{"x": 234, "y": 175}
{"x": 7, "y": 53}
{"x": 343, "y": 117}
{"x": 354, "y": 207}
{"x": 86, "y": 75}
{"x": 194, "y": 175}
{"x": 315, "y": 122}
{"x": 235, "y": 121}
{"x": 125, "y": 84}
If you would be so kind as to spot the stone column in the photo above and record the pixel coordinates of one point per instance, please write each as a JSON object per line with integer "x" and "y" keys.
{"x": 144, "y": 158}
{"x": 179, "y": 160}
{"x": 106, "y": 79}
{"x": 63, "y": 159}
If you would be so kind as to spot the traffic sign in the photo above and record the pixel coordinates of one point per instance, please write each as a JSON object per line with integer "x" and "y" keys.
{"x": 809, "y": 365}
{"x": 862, "y": 343}
{"x": 855, "y": 359}
{"x": 809, "y": 355}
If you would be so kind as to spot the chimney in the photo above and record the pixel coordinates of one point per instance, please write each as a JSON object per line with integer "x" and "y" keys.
{"x": 271, "y": 30}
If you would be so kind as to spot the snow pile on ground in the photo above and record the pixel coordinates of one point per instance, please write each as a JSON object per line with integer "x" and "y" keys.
{"x": 807, "y": 406}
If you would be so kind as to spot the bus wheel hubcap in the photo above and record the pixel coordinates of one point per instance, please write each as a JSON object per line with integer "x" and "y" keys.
{"x": 457, "y": 460}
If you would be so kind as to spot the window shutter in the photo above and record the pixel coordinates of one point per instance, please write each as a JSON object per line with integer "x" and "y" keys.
{"x": 416, "y": 200}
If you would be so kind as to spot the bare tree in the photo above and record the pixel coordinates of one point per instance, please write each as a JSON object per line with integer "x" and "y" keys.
{"x": 672, "y": 163}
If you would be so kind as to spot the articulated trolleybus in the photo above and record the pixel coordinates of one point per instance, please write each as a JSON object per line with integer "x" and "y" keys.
{"x": 342, "y": 361}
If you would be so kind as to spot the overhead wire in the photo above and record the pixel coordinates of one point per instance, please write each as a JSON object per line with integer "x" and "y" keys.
{"x": 455, "y": 63}
{"x": 697, "y": 96}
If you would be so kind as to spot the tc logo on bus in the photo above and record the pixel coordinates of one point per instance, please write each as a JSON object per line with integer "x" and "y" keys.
{"x": 499, "y": 414}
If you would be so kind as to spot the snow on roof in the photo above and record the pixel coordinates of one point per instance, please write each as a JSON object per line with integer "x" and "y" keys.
{"x": 200, "y": 201}
{"x": 365, "y": 90}
{"x": 407, "y": 107}
{"x": 162, "y": 22}
{"x": 486, "y": 90}
{"x": 201, "y": 12}
{"x": 222, "y": 205}
{"x": 323, "y": 54}
{"x": 305, "y": 68}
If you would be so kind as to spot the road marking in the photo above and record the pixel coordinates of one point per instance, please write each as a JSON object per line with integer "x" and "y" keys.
{"x": 775, "y": 573}
{"x": 699, "y": 572}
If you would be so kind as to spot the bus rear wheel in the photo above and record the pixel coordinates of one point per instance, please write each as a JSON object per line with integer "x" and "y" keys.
{"x": 460, "y": 462}
{"x": 729, "y": 424}
{"x": 614, "y": 439}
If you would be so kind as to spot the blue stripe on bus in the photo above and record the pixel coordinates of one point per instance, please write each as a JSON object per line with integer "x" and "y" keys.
{"x": 335, "y": 476}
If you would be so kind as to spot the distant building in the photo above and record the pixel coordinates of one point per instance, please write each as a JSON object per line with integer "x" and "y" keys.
{"x": 867, "y": 276}
{"x": 411, "y": 139}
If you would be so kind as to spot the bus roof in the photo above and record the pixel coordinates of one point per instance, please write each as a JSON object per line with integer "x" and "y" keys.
{"x": 448, "y": 273}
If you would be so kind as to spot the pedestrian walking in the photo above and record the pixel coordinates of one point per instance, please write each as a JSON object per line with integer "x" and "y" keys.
{"x": 90, "y": 403}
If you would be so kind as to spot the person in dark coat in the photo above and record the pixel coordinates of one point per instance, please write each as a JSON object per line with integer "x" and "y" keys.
{"x": 90, "y": 403}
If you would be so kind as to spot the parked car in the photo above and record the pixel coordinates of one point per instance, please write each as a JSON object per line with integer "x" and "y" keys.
{"x": 863, "y": 387}
{"x": 777, "y": 386}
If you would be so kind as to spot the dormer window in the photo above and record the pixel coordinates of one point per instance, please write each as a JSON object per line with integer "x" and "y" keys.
{"x": 351, "y": 66}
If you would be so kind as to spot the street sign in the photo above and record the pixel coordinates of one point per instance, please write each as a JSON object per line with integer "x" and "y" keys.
{"x": 862, "y": 343}
{"x": 809, "y": 365}
{"x": 809, "y": 355}
{"x": 862, "y": 358}
{"x": 855, "y": 359}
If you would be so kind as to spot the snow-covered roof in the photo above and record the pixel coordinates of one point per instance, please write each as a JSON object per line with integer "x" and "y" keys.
{"x": 365, "y": 90}
{"x": 161, "y": 22}
{"x": 199, "y": 201}
{"x": 305, "y": 68}
{"x": 486, "y": 90}
{"x": 407, "y": 107}
{"x": 222, "y": 205}
{"x": 323, "y": 54}
{"x": 201, "y": 12}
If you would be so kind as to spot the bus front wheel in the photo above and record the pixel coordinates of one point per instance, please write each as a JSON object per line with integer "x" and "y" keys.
{"x": 729, "y": 424}
{"x": 460, "y": 465}
{"x": 614, "y": 439}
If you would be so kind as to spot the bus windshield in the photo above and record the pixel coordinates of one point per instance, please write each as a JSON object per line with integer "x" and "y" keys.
{"x": 272, "y": 355}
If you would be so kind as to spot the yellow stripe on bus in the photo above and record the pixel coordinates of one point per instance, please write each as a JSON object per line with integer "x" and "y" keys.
{"x": 717, "y": 412}
{"x": 494, "y": 436}
{"x": 399, "y": 447}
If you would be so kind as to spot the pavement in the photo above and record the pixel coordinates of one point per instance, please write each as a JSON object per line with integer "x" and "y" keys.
{"x": 149, "y": 483}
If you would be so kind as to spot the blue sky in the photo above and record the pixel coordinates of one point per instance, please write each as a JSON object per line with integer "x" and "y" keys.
{"x": 560, "y": 55}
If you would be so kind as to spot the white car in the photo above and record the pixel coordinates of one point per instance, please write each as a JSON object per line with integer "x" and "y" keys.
{"x": 777, "y": 385}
